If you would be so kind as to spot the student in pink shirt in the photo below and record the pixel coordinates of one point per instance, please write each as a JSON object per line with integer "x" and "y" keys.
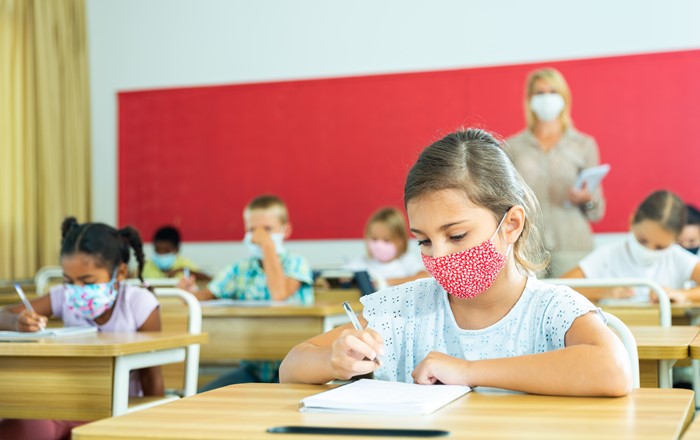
{"x": 94, "y": 257}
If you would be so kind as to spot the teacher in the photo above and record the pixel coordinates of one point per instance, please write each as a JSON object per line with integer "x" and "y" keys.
{"x": 549, "y": 154}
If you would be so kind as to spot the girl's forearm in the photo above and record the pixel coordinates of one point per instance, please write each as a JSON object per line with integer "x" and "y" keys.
{"x": 307, "y": 363}
{"x": 579, "y": 370}
{"x": 8, "y": 320}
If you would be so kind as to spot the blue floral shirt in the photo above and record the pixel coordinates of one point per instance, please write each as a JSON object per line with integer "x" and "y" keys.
{"x": 247, "y": 280}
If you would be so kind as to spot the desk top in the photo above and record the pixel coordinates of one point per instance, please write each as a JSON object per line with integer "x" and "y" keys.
{"x": 247, "y": 410}
{"x": 655, "y": 342}
{"x": 102, "y": 344}
{"x": 319, "y": 309}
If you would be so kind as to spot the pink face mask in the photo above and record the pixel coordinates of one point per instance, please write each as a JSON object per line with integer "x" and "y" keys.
{"x": 469, "y": 273}
{"x": 381, "y": 250}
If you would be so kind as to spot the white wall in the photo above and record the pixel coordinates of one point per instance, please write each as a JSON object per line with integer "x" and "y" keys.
{"x": 138, "y": 44}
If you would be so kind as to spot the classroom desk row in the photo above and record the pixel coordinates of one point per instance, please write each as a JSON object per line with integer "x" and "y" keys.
{"x": 246, "y": 411}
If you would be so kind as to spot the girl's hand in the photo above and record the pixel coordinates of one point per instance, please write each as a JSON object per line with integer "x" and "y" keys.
{"x": 622, "y": 292}
{"x": 440, "y": 367}
{"x": 30, "y": 322}
{"x": 188, "y": 284}
{"x": 355, "y": 353}
{"x": 676, "y": 296}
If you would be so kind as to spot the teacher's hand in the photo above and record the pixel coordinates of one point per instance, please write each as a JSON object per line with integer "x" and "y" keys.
{"x": 580, "y": 196}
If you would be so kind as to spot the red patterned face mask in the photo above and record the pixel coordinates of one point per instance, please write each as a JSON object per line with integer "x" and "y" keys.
{"x": 469, "y": 273}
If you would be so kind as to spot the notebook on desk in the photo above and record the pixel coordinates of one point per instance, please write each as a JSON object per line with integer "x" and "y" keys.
{"x": 46, "y": 334}
{"x": 380, "y": 396}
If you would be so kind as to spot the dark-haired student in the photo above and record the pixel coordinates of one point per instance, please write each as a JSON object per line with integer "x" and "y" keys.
{"x": 689, "y": 238}
{"x": 94, "y": 257}
{"x": 649, "y": 252}
{"x": 167, "y": 262}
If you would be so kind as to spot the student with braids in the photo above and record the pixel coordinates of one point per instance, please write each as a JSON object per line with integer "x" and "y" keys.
{"x": 94, "y": 257}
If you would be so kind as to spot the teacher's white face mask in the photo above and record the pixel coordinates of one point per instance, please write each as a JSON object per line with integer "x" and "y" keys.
{"x": 547, "y": 106}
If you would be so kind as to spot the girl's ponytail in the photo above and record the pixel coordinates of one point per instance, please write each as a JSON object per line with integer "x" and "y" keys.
{"x": 132, "y": 238}
{"x": 68, "y": 224}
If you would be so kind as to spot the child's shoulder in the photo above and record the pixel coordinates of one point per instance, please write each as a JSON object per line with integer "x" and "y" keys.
{"x": 295, "y": 263}
{"x": 134, "y": 294}
{"x": 555, "y": 296}
{"x": 413, "y": 293}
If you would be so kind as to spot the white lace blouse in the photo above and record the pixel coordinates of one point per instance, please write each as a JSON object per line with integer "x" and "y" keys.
{"x": 415, "y": 318}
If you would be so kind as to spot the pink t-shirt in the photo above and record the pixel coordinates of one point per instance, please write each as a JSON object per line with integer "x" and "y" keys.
{"x": 130, "y": 310}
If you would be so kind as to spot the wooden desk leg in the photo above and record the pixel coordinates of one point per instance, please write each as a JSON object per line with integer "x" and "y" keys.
{"x": 124, "y": 364}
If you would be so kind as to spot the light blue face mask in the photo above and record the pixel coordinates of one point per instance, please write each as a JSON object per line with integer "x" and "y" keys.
{"x": 164, "y": 261}
{"x": 91, "y": 300}
{"x": 256, "y": 251}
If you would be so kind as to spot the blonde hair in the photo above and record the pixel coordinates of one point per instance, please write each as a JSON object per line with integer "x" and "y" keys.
{"x": 393, "y": 219}
{"x": 265, "y": 202}
{"x": 555, "y": 79}
{"x": 473, "y": 161}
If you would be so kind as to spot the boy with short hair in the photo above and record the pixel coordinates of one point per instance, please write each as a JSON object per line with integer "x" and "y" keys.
{"x": 166, "y": 261}
{"x": 271, "y": 273}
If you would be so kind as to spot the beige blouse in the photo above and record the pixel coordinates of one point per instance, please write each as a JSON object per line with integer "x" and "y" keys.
{"x": 551, "y": 175}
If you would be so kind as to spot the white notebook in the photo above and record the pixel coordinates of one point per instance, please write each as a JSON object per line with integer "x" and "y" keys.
{"x": 48, "y": 333}
{"x": 379, "y": 396}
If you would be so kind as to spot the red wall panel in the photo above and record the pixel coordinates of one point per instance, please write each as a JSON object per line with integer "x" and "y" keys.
{"x": 336, "y": 149}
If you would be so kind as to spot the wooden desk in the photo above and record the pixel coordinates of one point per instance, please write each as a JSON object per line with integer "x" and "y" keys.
{"x": 693, "y": 431}
{"x": 265, "y": 333}
{"x": 648, "y": 314}
{"x": 245, "y": 411}
{"x": 81, "y": 377}
{"x": 659, "y": 348}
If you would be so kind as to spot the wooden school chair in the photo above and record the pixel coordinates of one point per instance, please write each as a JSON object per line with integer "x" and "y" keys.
{"x": 632, "y": 314}
{"x": 43, "y": 277}
{"x": 180, "y": 310}
{"x": 175, "y": 317}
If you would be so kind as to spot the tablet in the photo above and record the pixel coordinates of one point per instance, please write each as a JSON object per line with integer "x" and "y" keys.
{"x": 592, "y": 177}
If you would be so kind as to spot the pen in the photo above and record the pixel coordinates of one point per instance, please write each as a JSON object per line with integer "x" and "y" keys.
{"x": 352, "y": 316}
{"x": 356, "y": 323}
{"x": 186, "y": 273}
{"x": 25, "y": 301}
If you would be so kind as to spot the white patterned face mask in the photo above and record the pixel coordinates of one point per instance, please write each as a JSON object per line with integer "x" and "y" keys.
{"x": 91, "y": 300}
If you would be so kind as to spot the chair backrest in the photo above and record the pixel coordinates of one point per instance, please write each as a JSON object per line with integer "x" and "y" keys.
{"x": 44, "y": 275}
{"x": 628, "y": 341}
{"x": 171, "y": 321}
{"x": 664, "y": 302}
